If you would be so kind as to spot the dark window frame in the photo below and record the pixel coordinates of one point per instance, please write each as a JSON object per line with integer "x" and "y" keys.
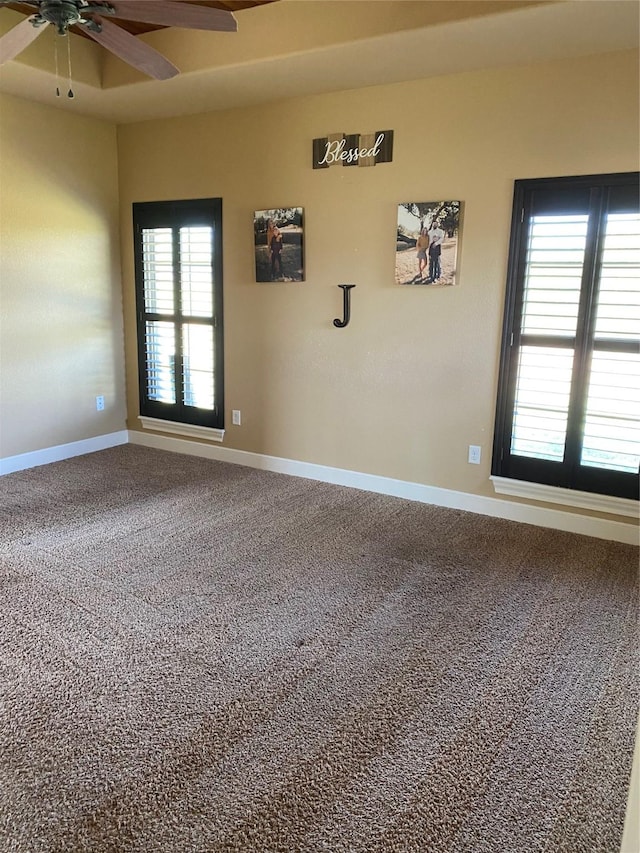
{"x": 570, "y": 473}
{"x": 174, "y": 215}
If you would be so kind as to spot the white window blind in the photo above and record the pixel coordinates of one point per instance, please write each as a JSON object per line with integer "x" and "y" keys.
{"x": 618, "y": 306}
{"x": 157, "y": 259}
{"x": 555, "y": 258}
{"x": 196, "y": 283}
{"x": 198, "y": 364}
{"x": 179, "y": 302}
{"x": 612, "y": 423}
{"x": 194, "y": 299}
{"x": 553, "y": 278}
{"x": 160, "y": 347}
{"x": 554, "y": 267}
{"x": 542, "y": 402}
{"x": 568, "y": 406}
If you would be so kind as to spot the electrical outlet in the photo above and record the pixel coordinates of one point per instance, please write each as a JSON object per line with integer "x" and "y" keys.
{"x": 236, "y": 418}
{"x": 100, "y": 403}
{"x": 475, "y": 452}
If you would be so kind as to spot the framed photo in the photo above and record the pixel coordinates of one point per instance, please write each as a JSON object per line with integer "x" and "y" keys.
{"x": 278, "y": 240}
{"x": 427, "y": 243}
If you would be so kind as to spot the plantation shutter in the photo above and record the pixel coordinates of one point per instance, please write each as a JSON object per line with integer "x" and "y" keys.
{"x": 552, "y": 282}
{"x": 179, "y": 304}
{"x": 613, "y": 396}
{"x": 569, "y": 399}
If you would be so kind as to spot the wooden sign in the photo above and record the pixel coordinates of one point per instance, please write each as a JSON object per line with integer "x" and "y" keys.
{"x": 355, "y": 149}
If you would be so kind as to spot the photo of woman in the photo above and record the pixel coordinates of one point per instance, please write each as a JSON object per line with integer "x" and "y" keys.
{"x": 278, "y": 242}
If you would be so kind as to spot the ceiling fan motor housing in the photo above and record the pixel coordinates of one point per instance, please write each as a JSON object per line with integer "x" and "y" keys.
{"x": 62, "y": 13}
{"x": 65, "y": 13}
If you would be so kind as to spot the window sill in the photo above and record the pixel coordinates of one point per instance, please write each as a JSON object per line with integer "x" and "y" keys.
{"x": 568, "y": 497}
{"x": 190, "y": 430}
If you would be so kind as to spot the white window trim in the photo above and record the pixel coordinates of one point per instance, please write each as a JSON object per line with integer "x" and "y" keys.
{"x": 190, "y": 430}
{"x": 568, "y": 497}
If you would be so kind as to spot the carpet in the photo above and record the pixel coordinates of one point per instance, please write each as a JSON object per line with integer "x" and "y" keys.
{"x": 200, "y": 657}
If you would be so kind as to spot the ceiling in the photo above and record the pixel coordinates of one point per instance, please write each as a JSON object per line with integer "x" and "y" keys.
{"x": 293, "y": 48}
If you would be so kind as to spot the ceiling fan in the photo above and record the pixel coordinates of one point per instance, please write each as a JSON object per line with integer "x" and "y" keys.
{"x": 92, "y": 19}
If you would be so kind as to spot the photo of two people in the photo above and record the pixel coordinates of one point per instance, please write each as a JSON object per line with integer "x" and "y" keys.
{"x": 427, "y": 242}
{"x": 278, "y": 237}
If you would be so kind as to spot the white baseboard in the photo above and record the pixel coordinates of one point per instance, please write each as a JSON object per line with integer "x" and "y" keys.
{"x": 600, "y": 528}
{"x": 62, "y": 451}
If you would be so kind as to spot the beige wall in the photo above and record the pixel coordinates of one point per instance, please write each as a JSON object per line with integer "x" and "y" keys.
{"x": 60, "y": 297}
{"x": 411, "y": 382}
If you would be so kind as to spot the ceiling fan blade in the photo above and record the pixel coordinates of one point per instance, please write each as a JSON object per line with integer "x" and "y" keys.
{"x": 132, "y": 50}
{"x": 15, "y": 41}
{"x": 171, "y": 14}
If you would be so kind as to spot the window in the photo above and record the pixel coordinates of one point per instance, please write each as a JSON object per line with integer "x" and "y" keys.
{"x": 568, "y": 410}
{"x": 178, "y": 265}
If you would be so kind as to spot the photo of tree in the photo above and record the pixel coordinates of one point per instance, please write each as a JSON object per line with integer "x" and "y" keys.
{"x": 278, "y": 241}
{"x": 427, "y": 243}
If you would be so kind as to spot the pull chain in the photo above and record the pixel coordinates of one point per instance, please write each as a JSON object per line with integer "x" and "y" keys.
{"x": 55, "y": 54}
{"x": 70, "y": 92}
